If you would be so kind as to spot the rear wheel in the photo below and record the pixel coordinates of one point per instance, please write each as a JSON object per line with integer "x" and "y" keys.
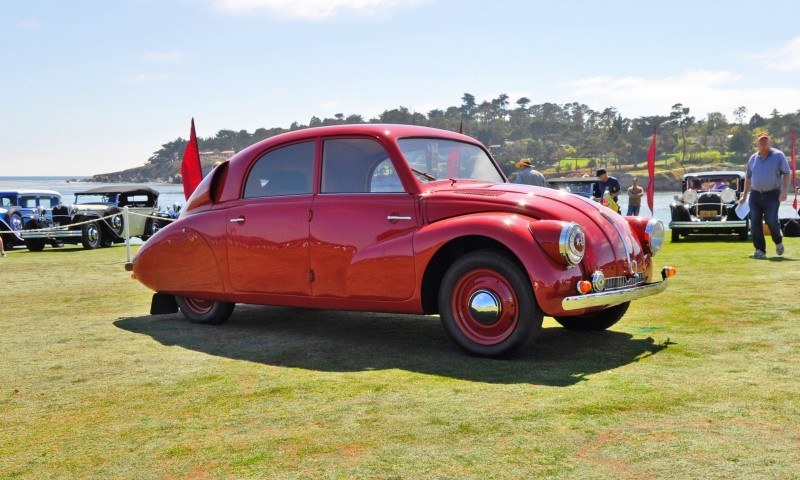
{"x": 91, "y": 236}
{"x": 487, "y": 306}
{"x": 596, "y": 321}
{"x": 205, "y": 312}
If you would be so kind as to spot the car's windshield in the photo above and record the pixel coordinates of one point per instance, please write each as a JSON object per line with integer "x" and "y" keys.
{"x": 8, "y": 200}
{"x": 706, "y": 184}
{"x": 436, "y": 159}
{"x": 87, "y": 198}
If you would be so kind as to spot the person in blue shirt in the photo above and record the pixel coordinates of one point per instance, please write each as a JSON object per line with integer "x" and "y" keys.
{"x": 605, "y": 182}
{"x": 767, "y": 179}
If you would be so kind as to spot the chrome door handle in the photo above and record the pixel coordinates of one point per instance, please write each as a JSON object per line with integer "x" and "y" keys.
{"x": 237, "y": 220}
{"x": 395, "y": 218}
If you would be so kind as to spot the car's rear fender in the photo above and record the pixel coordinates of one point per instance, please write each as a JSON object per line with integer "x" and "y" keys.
{"x": 436, "y": 245}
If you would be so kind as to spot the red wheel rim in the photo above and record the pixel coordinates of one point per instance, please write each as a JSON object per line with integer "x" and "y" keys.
{"x": 489, "y": 328}
{"x": 199, "y": 306}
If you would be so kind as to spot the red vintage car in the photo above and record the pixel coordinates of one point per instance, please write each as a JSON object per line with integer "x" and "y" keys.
{"x": 398, "y": 218}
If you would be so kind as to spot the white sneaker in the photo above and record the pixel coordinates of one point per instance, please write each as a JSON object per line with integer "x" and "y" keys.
{"x": 779, "y": 249}
{"x": 758, "y": 254}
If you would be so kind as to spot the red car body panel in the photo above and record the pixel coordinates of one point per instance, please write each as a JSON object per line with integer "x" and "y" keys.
{"x": 358, "y": 251}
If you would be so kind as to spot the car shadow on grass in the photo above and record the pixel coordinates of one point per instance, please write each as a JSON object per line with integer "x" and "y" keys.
{"x": 334, "y": 341}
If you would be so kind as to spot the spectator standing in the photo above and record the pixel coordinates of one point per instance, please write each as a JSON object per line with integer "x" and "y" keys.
{"x": 2, "y": 250}
{"x": 529, "y": 176}
{"x": 767, "y": 179}
{"x": 635, "y": 194}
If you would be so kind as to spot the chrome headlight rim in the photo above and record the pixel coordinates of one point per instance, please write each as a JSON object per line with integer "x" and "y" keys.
{"x": 690, "y": 196}
{"x": 572, "y": 243}
{"x": 728, "y": 195}
{"x": 654, "y": 234}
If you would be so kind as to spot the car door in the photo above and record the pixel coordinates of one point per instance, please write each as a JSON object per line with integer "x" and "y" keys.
{"x": 362, "y": 225}
{"x": 267, "y": 230}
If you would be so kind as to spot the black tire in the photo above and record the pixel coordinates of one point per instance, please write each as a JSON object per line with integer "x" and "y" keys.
{"x": 511, "y": 317}
{"x": 602, "y": 320}
{"x": 676, "y": 237}
{"x": 150, "y": 229}
{"x": 92, "y": 236}
{"x": 35, "y": 244}
{"x": 744, "y": 233}
{"x": 56, "y": 243}
{"x": 106, "y": 241}
{"x": 205, "y": 312}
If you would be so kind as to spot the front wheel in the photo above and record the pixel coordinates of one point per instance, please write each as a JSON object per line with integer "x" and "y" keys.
{"x": 91, "y": 236}
{"x": 596, "y": 321}
{"x": 744, "y": 233}
{"x": 35, "y": 244}
{"x": 205, "y": 312}
{"x": 487, "y": 306}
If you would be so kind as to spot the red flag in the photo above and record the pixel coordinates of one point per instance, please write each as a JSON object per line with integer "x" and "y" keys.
{"x": 651, "y": 171}
{"x": 794, "y": 170}
{"x": 191, "y": 173}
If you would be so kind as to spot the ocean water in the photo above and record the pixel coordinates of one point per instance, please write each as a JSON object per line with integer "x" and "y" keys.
{"x": 171, "y": 194}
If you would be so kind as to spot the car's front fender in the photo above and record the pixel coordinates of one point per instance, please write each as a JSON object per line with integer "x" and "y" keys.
{"x": 551, "y": 281}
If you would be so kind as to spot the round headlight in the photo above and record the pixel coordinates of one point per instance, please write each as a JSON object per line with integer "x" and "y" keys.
{"x": 690, "y": 196}
{"x": 728, "y": 195}
{"x": 654, "y": 235}
{"x": 572, "y": 243}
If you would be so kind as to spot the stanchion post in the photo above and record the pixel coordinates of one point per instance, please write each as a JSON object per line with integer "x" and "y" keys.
{"x": 127, "y": 232}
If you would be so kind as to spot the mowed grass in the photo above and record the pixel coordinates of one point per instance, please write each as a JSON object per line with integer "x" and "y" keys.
{"x": 699, "y": 382}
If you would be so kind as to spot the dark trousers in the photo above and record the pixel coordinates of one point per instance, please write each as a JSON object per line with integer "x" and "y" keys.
{"x": 764, "y": 208}
{"x": 633, "y": 210}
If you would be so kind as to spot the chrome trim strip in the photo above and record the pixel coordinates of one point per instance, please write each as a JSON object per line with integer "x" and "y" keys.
{"x": 53, "y": 234}
{"x": 394, "y": 218}
{"x": 710, "y": 224}
{"x": 609, "y": 299}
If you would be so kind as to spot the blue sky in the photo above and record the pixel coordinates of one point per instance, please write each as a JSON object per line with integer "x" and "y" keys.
{"x": 97, "y": 86}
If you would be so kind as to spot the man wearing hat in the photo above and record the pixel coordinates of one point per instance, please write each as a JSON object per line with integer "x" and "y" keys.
{"x": 606, "y": 183}
{"x": 529, "y": 176}
{"x": 767, "y": 179}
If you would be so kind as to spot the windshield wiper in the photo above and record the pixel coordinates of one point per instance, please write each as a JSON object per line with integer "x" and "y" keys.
{"x": 424, "y": 174}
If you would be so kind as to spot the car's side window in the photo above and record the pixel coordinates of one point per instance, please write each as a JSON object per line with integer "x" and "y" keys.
{"x": 385, "y": 179}
{"x": 46, "y": 202}
{"x": 283, "y": 171}
{"x": 28, "y": 202}
{"x": 357, "y": 165}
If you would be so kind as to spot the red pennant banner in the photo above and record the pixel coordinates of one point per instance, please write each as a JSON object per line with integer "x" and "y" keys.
{"x": 794, "y": 169}
{"x": 651, "y": 171}
{"x": 191, "y": 173}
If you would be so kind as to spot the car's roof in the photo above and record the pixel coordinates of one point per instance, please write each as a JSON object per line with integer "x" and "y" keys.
{"x": 28, "y": 191}
{"x": 721, "y": 173}
{"x": 383, "y": 130}
{"x": 121, "y": 189}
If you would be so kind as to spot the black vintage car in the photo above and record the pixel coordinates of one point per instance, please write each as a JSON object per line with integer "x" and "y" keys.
{"x": 707, "y": 205}
{"x": 91, "y": 221}
{"x": 583, "y": 186}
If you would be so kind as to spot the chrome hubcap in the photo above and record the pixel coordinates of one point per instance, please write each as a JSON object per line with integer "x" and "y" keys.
{"x": 484, "y": 307}
{"x": 92, "y": 234}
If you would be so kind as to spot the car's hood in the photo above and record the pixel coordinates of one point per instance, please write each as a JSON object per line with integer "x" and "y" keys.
{"x": 601, "y": 225}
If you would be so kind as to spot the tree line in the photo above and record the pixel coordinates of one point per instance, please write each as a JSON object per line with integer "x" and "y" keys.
{"x": 549, "y": 132}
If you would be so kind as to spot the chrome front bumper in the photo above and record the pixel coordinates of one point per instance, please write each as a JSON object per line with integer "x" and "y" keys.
{"x": 709, "y": 224}
{"x": 614, "y": 297}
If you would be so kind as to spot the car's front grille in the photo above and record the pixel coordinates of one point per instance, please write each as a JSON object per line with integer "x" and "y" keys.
{"x": 615, "y": 283}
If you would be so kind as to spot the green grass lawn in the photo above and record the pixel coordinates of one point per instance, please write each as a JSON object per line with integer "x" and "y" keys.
{"x": 699, "y": 382}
